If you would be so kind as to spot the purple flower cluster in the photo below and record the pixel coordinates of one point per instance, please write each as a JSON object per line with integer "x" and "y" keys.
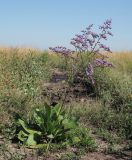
{"x": 90, "y": 72}
{"x": 103, "y": 63}
{"x": 105, "y": 30}
{"x": 62, "y": 50}
{"x": 106, "y": 25}
{"x": 86, "y": 40}
{"x": 90, "y": 42}
{"x": 105, "y": 47}
{"x": 96, "y": 63}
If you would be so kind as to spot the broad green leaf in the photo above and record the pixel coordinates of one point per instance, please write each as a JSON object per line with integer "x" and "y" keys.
{"x": 27, "y": 129}
{"x": 50, "y": 136}
{"x": 68, "y": 124}
{"x": 60, "y": 118}
{"x": 38, "y": 119}
{"x": 57, "y": 109}
{"x": 48, "y": 111}
{"x": 76, "y": 140}
{"x": 31, "y": 141}
{"x": 37, "y": 109}
{"x": 22, "y": 136}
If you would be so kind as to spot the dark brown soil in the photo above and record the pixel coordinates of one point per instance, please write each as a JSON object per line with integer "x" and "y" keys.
{"x": 58, "y": 90}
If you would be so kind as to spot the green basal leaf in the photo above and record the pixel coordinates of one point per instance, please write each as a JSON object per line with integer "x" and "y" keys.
{"x": 23, "y": 124}
{"x": 68, "y": 124}
{"x": 50, "y": 136}
{"x": 60, "y": 118}
{"x": 57, "y": 109}
{"x": 76, "y": 140}
{"x": 38, "y": 119}
{"x": 31, "y": 140}
{"x": 48, "y": 111}
{"x": 22, "y": 136}
{"x": 37, "y": 109}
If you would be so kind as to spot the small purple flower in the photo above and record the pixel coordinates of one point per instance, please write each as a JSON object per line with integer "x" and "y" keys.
{"x": 97, "y": 52}
{"x": 88, "y": 33}
{"x": 108, "y": 22}
{"x": 103, "y": 36}
{"x": 102, "y": 27}
{"x": 89, "y": 27}
{"x": 89, "y": 72}
{"x": 103, "y": 63}
{"x": 73, "y": 43}
{"x": 83, "y": 31}
{"x": 79, "y": 36}
{"x": 106, "y": 25}
{"x": 61, "y": 50}
{"x": 109, "y": 33}
{"x": 94, "y": 35}
{"x": 105, "y": 47}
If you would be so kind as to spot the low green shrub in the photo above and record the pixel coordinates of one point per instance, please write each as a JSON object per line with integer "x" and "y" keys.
{"x": 108, "y": 136}
{"x": 24, "y": 72}
{"x": 52, "y": 125}
{"x": 103, "y": 117}
{"x": 108, "y": 119}
{"x": 114, "y": 89}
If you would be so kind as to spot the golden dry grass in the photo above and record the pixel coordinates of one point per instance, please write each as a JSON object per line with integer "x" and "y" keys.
{"x": 7, "y": 52}
{"x": 121, "y": 56}
{"x": 122, "y": 61}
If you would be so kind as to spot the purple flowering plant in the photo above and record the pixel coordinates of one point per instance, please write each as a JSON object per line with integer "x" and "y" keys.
{"x": 89, "y": 43}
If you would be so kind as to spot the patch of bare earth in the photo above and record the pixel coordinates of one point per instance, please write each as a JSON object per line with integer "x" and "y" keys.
{"x": 98, "y": 156}
{"x": 102, "y": 156}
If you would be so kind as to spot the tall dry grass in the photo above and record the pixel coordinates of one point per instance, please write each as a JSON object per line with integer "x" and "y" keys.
{"x": 122, "y": 61}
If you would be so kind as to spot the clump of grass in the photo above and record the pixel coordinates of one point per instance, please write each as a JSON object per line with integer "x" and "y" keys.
{"x": 114, "y": 89}
{"x": 107, "y": 136}
{"x": 103, "y": 117}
